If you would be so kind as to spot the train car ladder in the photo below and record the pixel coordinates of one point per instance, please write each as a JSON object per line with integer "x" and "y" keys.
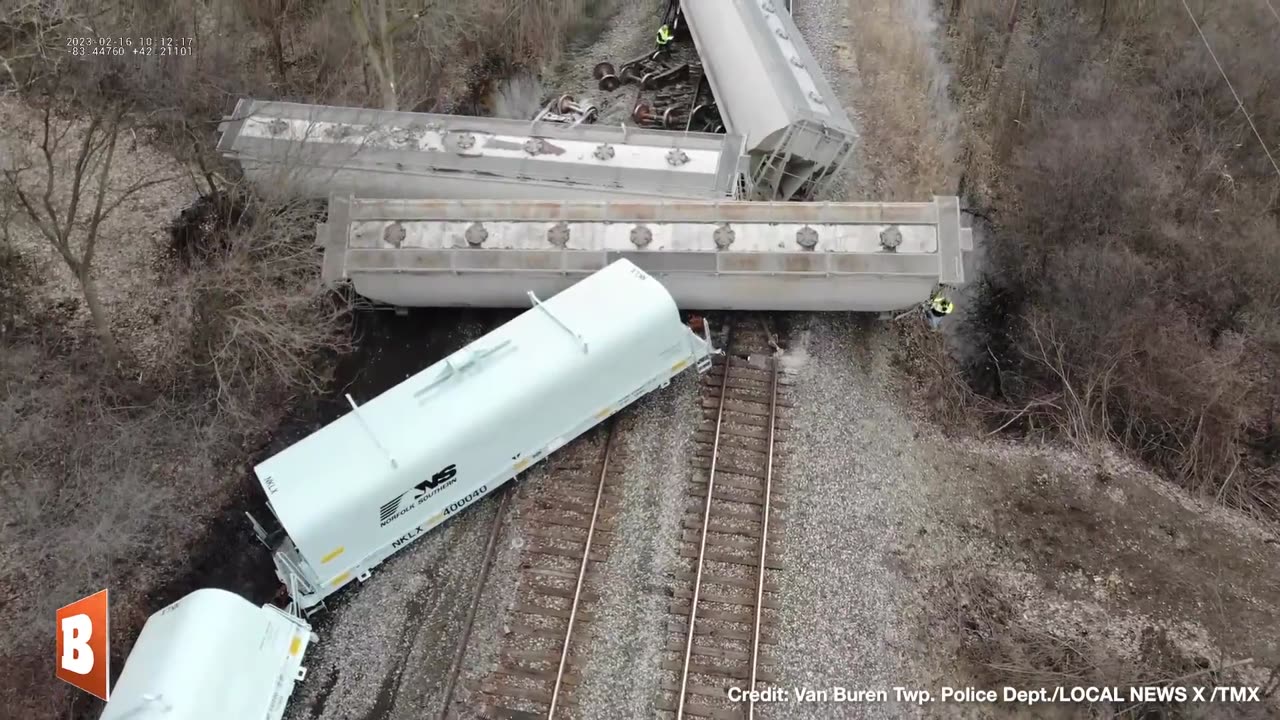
{"x": 768, "y": 174}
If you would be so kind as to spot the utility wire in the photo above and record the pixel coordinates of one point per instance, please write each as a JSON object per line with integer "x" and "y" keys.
{"x": 1230, "y": 87}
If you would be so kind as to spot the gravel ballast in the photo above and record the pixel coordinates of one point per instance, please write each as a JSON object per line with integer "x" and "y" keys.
{"x": 851, "y": 477}
{"x": 386, "y": 646}
{"x": 629, "y": 630}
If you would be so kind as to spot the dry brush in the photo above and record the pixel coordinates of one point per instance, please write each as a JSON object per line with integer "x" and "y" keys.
{"x": 1134, "y": 265}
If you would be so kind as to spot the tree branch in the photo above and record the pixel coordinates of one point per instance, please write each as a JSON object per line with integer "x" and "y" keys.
{"x": 83, "y": 160}
{"x": 135, "y": 188}
{"x": 91, "y": 238}
{"x": 48, "y": 231}
{"x": 47, "y": 149}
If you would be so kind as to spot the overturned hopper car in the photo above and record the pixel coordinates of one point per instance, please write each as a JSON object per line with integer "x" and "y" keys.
{"x": 368, "y": 484}
{"x": 211, "y": 656}
{"x": 771, "y": 91}
{"x": 315, "y": 150}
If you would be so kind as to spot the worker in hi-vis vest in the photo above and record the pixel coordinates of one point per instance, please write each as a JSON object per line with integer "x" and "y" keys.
{"x": 664, "y": 37}
{"x": 939, "y": 307}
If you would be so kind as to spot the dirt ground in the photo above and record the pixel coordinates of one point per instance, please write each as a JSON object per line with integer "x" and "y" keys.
{"x": 1038, "y": 566}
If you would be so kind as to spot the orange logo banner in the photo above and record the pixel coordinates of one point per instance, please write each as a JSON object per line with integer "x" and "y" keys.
{"x": 82, "y": 632}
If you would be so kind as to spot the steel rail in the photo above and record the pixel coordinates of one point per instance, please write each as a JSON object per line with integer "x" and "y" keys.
{"x": 456, "y": 667}
{"x": 706, "y": 523}
{"x": 764, "y": 537}
{"x": 582, "y": 570}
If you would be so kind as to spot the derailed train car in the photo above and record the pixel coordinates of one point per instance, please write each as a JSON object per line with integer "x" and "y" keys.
{"x": 211, "y": 656}
{"x": 368, "y": 484}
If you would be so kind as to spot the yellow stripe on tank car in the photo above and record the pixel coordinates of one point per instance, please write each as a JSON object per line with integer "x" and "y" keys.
{"x": 604, "y": 413}
{"x": 295, "y": 645}
{"x": 340, "y": 579}
{"x": 680, "y": 365}
{"x": 521, "y": 465}
{"x": 333, "y": 554}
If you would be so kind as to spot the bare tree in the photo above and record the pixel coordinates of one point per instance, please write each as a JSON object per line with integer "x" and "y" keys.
{"x": 369, "y": 18}
{"x": 270, "y": 16}
{"x": 58, "y": 212}
{"x": 376, "y": 31}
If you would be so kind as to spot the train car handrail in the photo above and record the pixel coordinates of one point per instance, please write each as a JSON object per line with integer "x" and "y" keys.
{"x": 538, "y": 304}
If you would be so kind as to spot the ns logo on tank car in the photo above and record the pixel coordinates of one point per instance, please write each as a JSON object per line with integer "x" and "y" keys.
{"x": 397, "y": 507}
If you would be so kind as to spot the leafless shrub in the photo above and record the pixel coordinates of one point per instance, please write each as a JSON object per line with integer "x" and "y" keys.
{"x": 940, "y": 381}
{"x": 261, "y": 321}
{"x": 97, "y": 489}
{"x": 1130, "y": 200}
{"x": 109, "y": 482}
{"x": 104, "y": 483}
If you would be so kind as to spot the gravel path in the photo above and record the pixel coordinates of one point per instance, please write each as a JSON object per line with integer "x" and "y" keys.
{"x": 852, "y": 475}
{"x": 629, "y": 631}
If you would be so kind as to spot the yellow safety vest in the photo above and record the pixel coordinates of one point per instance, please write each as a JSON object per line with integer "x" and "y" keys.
{"x": 942, "y": 306}
{"x": 664, "y": 35}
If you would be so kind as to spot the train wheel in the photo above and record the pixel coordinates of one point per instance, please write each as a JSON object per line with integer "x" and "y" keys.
{"x": 601, "y": 70}
{"x": 609, "y": 83}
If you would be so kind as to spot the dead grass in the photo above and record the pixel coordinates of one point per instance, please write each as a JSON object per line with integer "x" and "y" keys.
{"x": 938, "y": 383}
{"x": 906, "y": 121}
{"x": 1133, "y": 262}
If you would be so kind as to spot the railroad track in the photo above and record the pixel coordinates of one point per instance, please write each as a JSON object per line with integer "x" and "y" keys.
{"x": 723, "y": 625}
{"x": 568, "y": 531}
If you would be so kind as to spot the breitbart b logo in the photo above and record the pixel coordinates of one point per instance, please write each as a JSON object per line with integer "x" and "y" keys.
{"x": 82, "y": 658}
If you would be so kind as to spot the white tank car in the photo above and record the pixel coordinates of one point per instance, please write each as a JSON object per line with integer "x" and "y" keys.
{"x": 368, "y": 484}
{"x": 212, "y": 656}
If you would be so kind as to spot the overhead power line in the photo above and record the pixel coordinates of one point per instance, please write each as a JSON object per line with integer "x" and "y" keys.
{"x": 1230, "y": 87}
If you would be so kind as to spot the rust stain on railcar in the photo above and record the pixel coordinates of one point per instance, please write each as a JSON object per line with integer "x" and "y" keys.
{"x": 919, "y": 214}
{"x": 635, "y": 211}
{"x": 743, "y": 262}
{"x": 807, "y": 262}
